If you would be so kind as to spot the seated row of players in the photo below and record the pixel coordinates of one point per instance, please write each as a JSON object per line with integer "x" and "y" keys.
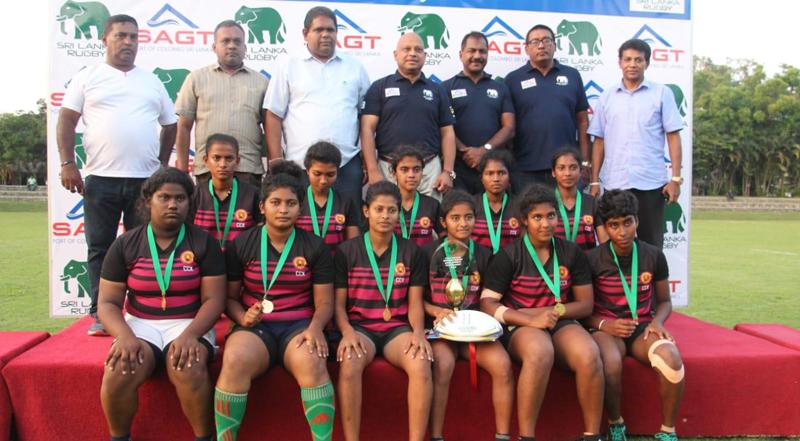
{"x": 284, "y": 284}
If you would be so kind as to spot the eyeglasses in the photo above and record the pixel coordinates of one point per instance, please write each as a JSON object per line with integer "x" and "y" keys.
{"x": 546, "y": 41}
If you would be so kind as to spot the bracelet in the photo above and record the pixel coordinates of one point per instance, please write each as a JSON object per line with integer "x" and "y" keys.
{"x": 67, "y": 162}
{"x": 594, "y": 184}
{"x": 600, "y": 326}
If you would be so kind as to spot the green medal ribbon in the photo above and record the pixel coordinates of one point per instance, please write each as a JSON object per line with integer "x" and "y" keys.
{"x": 494, "y": 234}
{"x": 386, "y": 293}
{"x": 231, "y": 208}
{"x": 555, "y": 284}
{"x": 163, "y": 280}
{"x": 281, "y": 260}
{"x": 565, "y": 218}
{"x": 312, "y": 208}
{"x": 471, "y": 254}
{"x": 630, "y": 290}
{"x": 406, "y": 231}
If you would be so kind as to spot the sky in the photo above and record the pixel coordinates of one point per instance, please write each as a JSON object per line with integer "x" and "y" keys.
{"x": 722, "y": 29}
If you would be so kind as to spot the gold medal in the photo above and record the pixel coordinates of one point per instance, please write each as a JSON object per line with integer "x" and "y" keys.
{"x": 163, "y": 300}
{"x": 560, "y": 309}
{"x": 386, "y": 314}
{"x": 267, "y": 306}
{"x": 454, "y": 292}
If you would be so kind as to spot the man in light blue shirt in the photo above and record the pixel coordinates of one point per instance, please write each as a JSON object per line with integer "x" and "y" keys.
{"x": 316, "y": 97}
{"x": 630, "y": 124}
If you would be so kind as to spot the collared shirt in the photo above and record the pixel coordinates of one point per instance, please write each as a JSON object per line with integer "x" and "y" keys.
{"x": 121, "y": 112}
{"x": 318, "y": 101}
{"x": 478, "y": 107}
{"x": 546, "y": 108}
{"x": 225, "y": 103}
{"x": 409, "y": 113}
{"x": 633, "y": 124}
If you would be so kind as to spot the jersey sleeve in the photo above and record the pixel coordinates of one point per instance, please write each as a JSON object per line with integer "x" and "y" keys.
{"x": 276, "y": 99}
{"x": 233, "y": 262}
{"x": 352, "y": 213}
{"x": 186, "y": 104}
{"x": 373, "y": 102}
{"x": 419, "y": 268}
{"x": 507, "y": 105}
{"x": 597, "y": 126}
{"x": 581, "y": 272}
{"x": 322, "y": 273}
{"x": 340, "y": 264}
{"x": 446, "y": 115}
{"x": 74, "y": 95}
{"x": 582, "y": 103}
{"x": 662, "y": 268}
{"x": 499, "y": 273}
{"x": 114, "y": 267}
{"x": 213, "y": 263}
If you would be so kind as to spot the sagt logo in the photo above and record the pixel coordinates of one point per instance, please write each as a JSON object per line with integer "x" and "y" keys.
{"x": 593, "y": 92}
{"x": 258, "y": 21}
{"x": 675, "y": 224}
{"x": 680, "y": 99}
{"x": 662, "y": 50}
{"x": 172, "y": 79}
{"x": 503, "y": 39}
{"x": 582, "y": 37}
{"x": 79, "y": 271}
{"x": 80, "y": 151}
{"x": 85, "y": 16}
{"x": 430, "y": 27}
{"x": 167, "y": 17}
{"x": 351, "y": 36}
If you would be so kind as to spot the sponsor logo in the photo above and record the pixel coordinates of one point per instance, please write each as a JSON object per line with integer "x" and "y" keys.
{"x": 427, "y": 94}
{"x": 659, "y": 6}
{"x": 400, "y": 268}
{"x": 513, "y": 222}
{"x": 168, "y": 15}
{"x": 645, "y": 277}
{"x": 86, "y": 19}
{"x": 563, "y": 271}
{"x": 578, "y": 44}
{"x": 503, "y": 39}
{"x": 340, "y": 218}
{"x": 434, "y": 34}
{"x": 79, "y": 272}
{"x": 300, "y": 262}
{"x": 680, "y": 99}
{"x": 240, "y": 214}
{"x": 177, "y": 31}
{"x": 593, "y": 92}
{"x": 187, "y": 257}
{"x": 562, "y": 80}
{"x": 492, "y": 93}
{"x": 172, "y": 79}
{"x": 266, "y": 32}
{"x": 663, "y": 53}
{"x": 80, "y": 153}
{"x": 352, "y": 37}
{"x": 76, "y": 212}
{"x": 675, "y": 224}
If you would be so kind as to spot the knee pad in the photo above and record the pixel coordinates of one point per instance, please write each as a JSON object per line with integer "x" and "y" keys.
{"x": 674, "y": 376}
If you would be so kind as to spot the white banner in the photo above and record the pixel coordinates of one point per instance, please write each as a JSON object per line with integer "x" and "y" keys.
{"x": 176, "y": 37}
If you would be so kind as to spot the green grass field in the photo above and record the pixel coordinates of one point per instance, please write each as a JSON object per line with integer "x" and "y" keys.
{"x": 744, "y": 268}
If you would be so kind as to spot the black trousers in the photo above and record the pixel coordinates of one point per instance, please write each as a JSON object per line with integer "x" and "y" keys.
{"x": 651, "y": 216}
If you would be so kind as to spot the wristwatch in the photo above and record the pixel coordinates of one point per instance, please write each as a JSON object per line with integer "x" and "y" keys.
{"x": 487, "y": 146}
{"x": 586, "y": 164}
{"x": 678, "y": 179}
{"x": 451, "y": 173}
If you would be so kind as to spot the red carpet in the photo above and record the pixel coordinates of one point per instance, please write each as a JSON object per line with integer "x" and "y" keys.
{"x": 779, "y": 334}
{"x": 11, "y": 345}
{"x": 736, "y": 385}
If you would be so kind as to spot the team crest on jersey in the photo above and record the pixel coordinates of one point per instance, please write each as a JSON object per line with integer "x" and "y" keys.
{"x": 475, "y": 278}
{"x": 563, "y": 271}
{"x": 513, "y": 223}
{"x": 400, "y": 268}
{"x": 427, "y": 94}
{"x": 300, "y": 262}
{"x": 187, "y": 257}
{"x": 340, "y": 218}
{"x": 645, "y": 277}
{"x": 491, "y": 93}
{"x": 588, "y": 219}
{"x": 425, "y": 222}
{"x": 240, "y": 214}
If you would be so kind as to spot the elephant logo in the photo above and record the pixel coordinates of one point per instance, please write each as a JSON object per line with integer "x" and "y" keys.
{"x": 172, "y": 79}
{"x": 85, "y": 16}
{"x": 674, "y": 219}
{"x": 579, "y": 33}
{"x": 680, "y": 98}
{"x": 78, "y": 271}
{"x": 260, "y": 20}
{"x": 80, "y": 151}
{"x": 428, "y": 26}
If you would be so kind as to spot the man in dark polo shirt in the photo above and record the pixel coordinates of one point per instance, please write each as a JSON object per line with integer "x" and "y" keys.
{"x": 551, "y": 110}
{"x": 483, "y": 108}
{"x": 406, "y": 108}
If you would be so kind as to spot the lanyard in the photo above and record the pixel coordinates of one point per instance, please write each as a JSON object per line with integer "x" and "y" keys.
{"x": 386, "y": 292}
{"x": 231, "y": 208}
{"x": 414, "y": 207}
{"x": 630, "y": 290}
{"x": 574, "y": 235}
{"x": 163, "y": 280}
{"x": 312, "y": 209}
{"x": 494, "y": 234}
{"x": 471, "y": 254}
{"x": 281, "y": 260}
{"x": 555, "y": 283}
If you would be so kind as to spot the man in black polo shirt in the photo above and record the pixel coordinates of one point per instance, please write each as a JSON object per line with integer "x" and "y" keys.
{"x": 483, "y": 108}
{"x": 407, "y": 108}
{"x": 551, "y": 110}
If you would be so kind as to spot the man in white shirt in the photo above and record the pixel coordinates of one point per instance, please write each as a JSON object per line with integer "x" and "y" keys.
{"x": 316, "y": 97}
{"x": 121, "y": 106}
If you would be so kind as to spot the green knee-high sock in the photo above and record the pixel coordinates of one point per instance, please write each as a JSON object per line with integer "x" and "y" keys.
{"x": 228, "y": 413}
{"x": 319, "y": 408}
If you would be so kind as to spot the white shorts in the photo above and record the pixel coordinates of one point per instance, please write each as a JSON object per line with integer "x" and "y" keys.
{"x": 162, "y": 332}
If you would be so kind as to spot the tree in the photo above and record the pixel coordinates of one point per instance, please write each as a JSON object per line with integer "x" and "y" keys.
{"x": 23, "y": 145}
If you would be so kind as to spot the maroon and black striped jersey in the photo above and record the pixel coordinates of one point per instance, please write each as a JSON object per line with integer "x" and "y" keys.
{"x": 364, "y": 302}
{"x": 513, "y": 274}
{"x": 309, "y": 263}
{"x": 344, "y": 213}
{"x": 426, "y": 222}
{"x": 511, "y": 226}
{"x": 245, "y": 216}
{"x": 128, "y": 261}
{"x": 609, "y": 296}
{"x": 439, "y": 275}
{"x": 589, "y": 221}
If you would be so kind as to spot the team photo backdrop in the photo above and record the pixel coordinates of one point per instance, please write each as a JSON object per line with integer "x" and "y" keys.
{"x": 175, "y": 37}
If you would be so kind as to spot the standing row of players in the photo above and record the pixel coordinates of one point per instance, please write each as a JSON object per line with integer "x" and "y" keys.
{"x": 562, "y": 298}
